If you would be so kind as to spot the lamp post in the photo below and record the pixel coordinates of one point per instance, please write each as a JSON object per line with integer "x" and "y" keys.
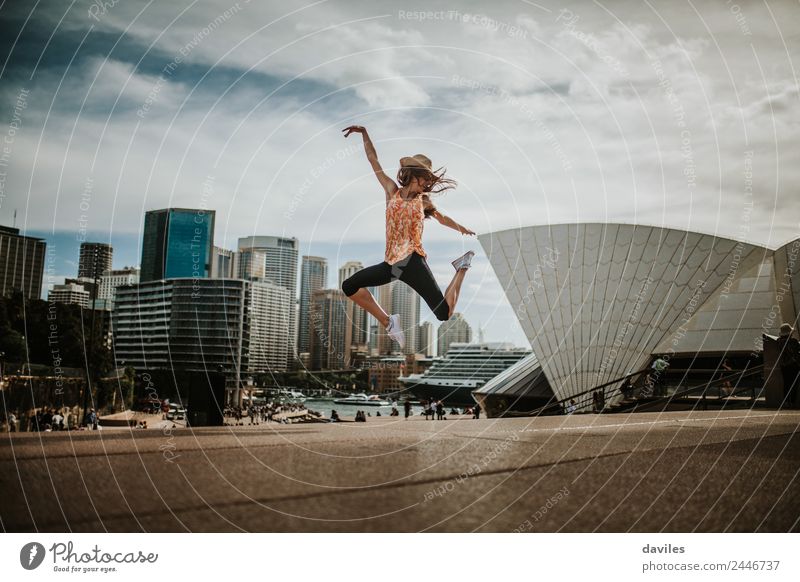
{"x": 90, "y": 349}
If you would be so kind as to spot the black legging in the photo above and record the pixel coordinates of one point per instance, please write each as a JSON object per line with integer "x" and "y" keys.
{"x": 413, "y": 271}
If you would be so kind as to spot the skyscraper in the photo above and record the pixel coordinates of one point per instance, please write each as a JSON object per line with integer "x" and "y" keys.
{"x": 184, "y": 324}
{"x": 355, "y": 315}
{"x": 313, "y": 277}
{"x": 426, "y": 339}
{"x": 329, "y": 330}
{"x": 269, "y": 327}
{"x": 21, "y": 263}
{"x": 405, "y": 302}
{"x": 222, "y": 263}
{"x": 95, "y": 259}
{"x": 70, "y": 293}
{"x": 455, "y": 329}
{"x": 280, "y": 268}
{"x": 177, "y": 243}
{"x": 109, "y": 283}
{"x": 250, "y": 264}
{"x": 383, "y": 296}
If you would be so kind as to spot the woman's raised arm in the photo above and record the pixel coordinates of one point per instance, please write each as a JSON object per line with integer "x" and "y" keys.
{"x": 388, "y": 184}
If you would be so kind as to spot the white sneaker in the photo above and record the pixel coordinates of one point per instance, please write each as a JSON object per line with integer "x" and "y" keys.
{"x": 395, "y": 331}
{"x": 464, "y": 261}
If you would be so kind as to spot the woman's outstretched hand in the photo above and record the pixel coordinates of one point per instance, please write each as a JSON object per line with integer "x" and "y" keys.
{"x": 465, "y": 230}
{"x": 354, "y": 129}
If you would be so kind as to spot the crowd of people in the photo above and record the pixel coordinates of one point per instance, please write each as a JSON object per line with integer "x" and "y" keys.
{"x": 435, "y": 410}
{"x": 49, "y": 419}
{"x": 257, "y": 414}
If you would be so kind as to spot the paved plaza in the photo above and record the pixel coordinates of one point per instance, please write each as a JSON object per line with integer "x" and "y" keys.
{"x": 677, "y": 471}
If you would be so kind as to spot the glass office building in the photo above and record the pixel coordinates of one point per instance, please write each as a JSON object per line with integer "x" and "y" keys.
{"x": 177, "y": 243}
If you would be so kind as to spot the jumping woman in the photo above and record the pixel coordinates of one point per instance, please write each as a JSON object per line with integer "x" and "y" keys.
{"x": 407, "y": 205}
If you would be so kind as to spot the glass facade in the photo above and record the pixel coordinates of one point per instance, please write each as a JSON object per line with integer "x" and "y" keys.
{"x": 177, "y": 243}
{"x": 190, "y": 241}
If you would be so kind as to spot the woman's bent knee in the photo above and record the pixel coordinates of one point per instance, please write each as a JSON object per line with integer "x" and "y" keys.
{"x": 349, "y": 287}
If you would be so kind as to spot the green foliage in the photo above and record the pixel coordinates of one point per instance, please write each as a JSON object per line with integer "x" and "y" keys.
{"x": 55, "y": 335}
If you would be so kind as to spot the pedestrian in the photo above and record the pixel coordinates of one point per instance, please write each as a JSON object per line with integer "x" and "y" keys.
{"x": 789, "y": 358}
{"x": 659, "y": 368}
{"x": 91, "y": 420}
{"x": 572, "y": 407}
{"x": 58, "y": 421}
{"x": 439, "y": 410}
{"x": 12, "y": 422}
{"x": 726, "y": 389}
{"x": 407, "y": 408}
{"x": 477, "y": 411}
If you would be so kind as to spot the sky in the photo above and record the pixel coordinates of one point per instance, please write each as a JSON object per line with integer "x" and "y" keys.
{"x": 681, "y": 114}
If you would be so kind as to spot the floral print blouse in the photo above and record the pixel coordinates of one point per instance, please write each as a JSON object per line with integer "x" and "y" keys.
{"x": 404, "y": 223}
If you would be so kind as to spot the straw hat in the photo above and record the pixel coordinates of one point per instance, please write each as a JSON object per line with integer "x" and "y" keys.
{"x": 417, "y": 161}
{"x": 786, "y": 329}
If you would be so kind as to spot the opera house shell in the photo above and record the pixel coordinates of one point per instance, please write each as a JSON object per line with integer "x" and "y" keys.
{"x": 598, "y": 301}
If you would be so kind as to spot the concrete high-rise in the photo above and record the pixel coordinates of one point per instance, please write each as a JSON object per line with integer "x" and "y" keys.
{"x": 250, "y": 264}
{"x": 21, "y": 263}
{"x": 426, "y": 339}
{"x": 184, "y": 324}
{"x": 383, "y": 296}
{"x": 281, "y": 269}
{"x": 313, "y": 277}
{"x": 454, "y": 330}
{"x": 95, "y": 259}
{"x": 70, "y": 293}
{"x": 329, "y": 330}
{"x": 355, "y": 315}
{"x": 405, "y": 302}
{"x": 177, "y": 243}
{"x": 109, "y": 283}
{"x": 268, "y": 306}
{"x": 222, "y": 263}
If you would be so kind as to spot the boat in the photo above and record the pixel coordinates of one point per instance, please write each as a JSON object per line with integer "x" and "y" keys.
{"x": 292, "y": 396}
{"x": 464, "y": 368}
{"x": 363, "y": 400}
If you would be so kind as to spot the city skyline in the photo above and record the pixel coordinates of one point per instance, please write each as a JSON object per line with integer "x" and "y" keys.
{"x": 67, "y": 247}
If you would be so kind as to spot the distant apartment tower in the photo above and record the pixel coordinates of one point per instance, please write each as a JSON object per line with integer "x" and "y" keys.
{"x": 356, "y": 315}
{"x": 177, "y": 243}
{"x": 426, "y": 339}
{"x": 95, "y": 259}
{"x": 184, "y": 324}
{"x": 313, "y": 277}
{"x": 385, "y": 344}
{"x": 454, "y": 330}
{"x": 70, "y": 293}
{"x": 250, "y": 264}
{"x": 268, "y": 307}
{"x": 21, "y": 263}
{"x": 280, "y": 268}
{"x": 110, "y": 281}
{"x": 329, "y": 330}
{"x": 405, "y": 302}
{"x": 222, "y": 263}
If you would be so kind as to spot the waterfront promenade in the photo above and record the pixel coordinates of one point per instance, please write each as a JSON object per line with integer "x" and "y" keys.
{"x": 677, "y": 471}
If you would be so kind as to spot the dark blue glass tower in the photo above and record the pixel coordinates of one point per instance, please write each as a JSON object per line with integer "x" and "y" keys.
{"x": 177, "y": 242}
